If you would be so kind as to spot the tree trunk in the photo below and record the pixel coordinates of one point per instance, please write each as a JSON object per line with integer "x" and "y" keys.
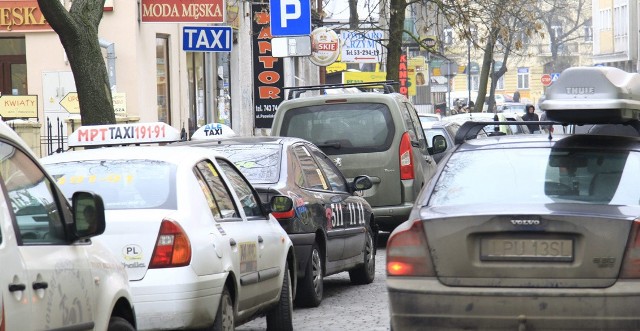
{"x": 484, "y": 74}
{"x": 78, "y": 33}
{"x": 396, "y": 29}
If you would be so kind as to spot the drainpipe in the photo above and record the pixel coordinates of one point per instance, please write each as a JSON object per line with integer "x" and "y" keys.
{"x": 111, "y": 62}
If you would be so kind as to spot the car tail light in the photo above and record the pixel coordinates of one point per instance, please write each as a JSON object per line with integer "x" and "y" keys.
{"x": 284, "y": 215}
{"x": 406, "y": 157}
{"x": 408, "y": 251}
{"x": 173, "y": 248}
{"x": 631, "y": 261}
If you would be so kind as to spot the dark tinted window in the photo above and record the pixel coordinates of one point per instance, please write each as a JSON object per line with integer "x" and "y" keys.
{"x": 259, "y": 163}
{"x": 313, "y": 178}
{"x": 342, "y": 128}
{"x": 336, "y": 180}
{"x": 248, "y": 200}
{"x": 126, "y": 184}
{"x": 218, "y": 196}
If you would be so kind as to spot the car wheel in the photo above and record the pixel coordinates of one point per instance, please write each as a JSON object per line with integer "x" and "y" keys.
{"x": 117, "y": 323}
{"x": 280, "y": 318}
{"x": 366, "y": 272}
{"x": 224, "y": 317}
{"x": 310, "y": 292}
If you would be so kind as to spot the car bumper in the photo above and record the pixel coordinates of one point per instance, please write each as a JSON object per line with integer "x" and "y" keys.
{"x": 302, "y": 243}
{"x": 427, "y": 304}
{"x": 176, "y": 298}
{"x": 388, "y": 218}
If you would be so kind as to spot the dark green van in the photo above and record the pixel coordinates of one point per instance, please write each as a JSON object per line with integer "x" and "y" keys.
{"x": 366, "y": 133}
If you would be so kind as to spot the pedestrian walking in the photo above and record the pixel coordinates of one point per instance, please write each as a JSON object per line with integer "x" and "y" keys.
{"x": 516, "y": 96}
{"x": 532, "y": 116}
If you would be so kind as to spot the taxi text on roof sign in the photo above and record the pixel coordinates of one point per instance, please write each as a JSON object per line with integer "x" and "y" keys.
{"x": 120, "y": 134}
{"x": 595, "y": 95}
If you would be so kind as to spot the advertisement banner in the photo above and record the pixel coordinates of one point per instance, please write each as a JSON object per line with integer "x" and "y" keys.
{"x": 363, "y": 77}
{"x": 268, "y": 71}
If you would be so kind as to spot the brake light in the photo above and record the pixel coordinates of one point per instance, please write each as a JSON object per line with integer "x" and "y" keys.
{"x": 631, "y": 260}
{"x": 406, "y": 157}
{"x": 173, "y": 248}
{"x": 284, "y": 215}
{"x": 408, "y": 251}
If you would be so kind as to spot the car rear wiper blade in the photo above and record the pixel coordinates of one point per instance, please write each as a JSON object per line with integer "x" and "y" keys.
{"x": 334, "y": 144}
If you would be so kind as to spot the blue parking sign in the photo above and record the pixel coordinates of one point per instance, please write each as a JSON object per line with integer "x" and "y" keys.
{"x": 207, "y": 38}
{"x": 290, "y": 17}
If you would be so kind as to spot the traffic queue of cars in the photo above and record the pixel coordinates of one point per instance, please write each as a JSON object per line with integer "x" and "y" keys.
{"x": 530, "y": 232}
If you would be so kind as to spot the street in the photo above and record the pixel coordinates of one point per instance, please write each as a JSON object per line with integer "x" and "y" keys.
{"x": 345, "y": 306}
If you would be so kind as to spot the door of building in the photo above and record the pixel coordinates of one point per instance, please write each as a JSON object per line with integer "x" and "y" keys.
{"x": 13, "y": 66}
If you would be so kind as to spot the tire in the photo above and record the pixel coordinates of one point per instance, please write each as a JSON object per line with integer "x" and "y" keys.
{"x": 366, "y": 272}
{"x": 309, "y": 294}
{"x": 280, "y": 318}
{"x": 117, "y": 323}
{"x": 224, "y": 317}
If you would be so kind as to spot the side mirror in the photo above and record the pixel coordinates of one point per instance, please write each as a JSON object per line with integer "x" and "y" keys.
{"x": 361, "y": 183}
{"x": 280, "y": 204}
{"x": 439, "y": 144}
{"x": 88, "y": 214}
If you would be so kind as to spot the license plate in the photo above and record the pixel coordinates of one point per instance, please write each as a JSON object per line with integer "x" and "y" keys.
{"x": 560, "y": 250}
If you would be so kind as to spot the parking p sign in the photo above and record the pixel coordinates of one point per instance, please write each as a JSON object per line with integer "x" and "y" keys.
{"x": 290, "y": 17}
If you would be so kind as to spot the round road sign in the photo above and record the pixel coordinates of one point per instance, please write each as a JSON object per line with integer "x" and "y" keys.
{"x": 545, "y": 79}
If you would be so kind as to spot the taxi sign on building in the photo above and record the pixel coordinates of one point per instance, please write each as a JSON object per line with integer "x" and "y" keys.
{"x": 361, "y": 46}
{"x": 122, "y": 134}
{"x": 593, "y": 95}
{"x": 207, "y": 38}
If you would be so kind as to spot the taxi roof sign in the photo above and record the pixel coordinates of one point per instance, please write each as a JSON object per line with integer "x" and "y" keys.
{"x": 123, "y": 134}
{"x": 594, "y": 95}
{"x": 213, "y": 131}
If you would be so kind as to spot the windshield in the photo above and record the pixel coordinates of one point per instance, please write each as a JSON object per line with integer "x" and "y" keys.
{"x": 128, "y": 184}
{"x": 259, "y": 163}
{"x": 540, "y": 175}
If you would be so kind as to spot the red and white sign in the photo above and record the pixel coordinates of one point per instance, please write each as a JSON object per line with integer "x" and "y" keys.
{"x": 546, "y": 80}
{"x": 121, "y": 134}
{"x": 183, "y": 11}
{"x": 325, "y": 47}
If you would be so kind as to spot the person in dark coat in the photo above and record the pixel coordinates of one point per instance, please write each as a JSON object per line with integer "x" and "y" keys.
{"x": 516, "y": 96}
{"x": 532, "y": 116}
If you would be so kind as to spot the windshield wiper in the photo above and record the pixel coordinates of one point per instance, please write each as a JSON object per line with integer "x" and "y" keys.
{"x": 334, "y": 144}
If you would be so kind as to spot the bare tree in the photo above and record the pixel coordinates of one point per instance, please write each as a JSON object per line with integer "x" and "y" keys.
{"x": 77, "y": 29}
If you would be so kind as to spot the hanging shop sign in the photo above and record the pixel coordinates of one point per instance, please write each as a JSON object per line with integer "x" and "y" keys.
{"x": 325, "y": 47}
{"x": 182, "y": 11}
{"x": 22, "y": 16}
{"x": 403, "y": 75}
{"x": 268, "y": 71}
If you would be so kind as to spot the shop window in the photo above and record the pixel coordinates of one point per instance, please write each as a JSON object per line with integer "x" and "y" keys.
{"x": 162, "y": 78}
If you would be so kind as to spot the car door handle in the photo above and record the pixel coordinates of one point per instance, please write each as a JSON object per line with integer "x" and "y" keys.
{"x": 40, "y": 285}
{"x": 17, "y": 287}
{"x": 232, "y": 242}
{"x": 260, "y": 240}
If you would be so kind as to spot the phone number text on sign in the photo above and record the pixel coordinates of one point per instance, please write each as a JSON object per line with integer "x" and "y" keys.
{"x": 123, "y": 134}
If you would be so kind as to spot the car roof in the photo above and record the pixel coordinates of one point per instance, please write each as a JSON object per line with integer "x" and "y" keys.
{"x": 275, "y": 140}
{"x": 7, "y": 132}
{"x": 176, "y": 155}
{"x": 542, "y": 140}
{"x": 347, "y": 97}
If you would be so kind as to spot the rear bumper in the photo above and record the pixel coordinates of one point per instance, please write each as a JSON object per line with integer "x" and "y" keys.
{"x": 418, "y": 304}
{"x": 388, "y": 218}
{"x": 176, "y": 298}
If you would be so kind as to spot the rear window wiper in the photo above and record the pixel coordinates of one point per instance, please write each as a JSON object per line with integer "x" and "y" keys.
{"x": 334, "y": 144}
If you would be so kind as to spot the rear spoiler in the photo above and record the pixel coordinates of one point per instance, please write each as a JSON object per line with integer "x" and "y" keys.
{"x": 593, "y": 95}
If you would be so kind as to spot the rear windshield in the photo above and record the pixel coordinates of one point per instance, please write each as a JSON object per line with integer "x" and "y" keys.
{"x": 541, "y": 175}
{"x": 260, "y": 164}
{"x": 342, "y": 128}
{"x": 129, "y": 184}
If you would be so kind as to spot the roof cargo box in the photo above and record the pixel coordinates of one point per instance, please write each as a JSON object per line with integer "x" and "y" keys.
{"x": 594, "y": 95}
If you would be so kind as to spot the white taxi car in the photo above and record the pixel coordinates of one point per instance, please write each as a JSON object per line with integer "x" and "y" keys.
{"x": 54, "y": 274}
{"x": 199, "y": 248}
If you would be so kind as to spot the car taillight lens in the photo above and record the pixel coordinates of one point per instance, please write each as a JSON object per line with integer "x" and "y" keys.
{"x": 406, "y": 157}
{"x": 631, "y": 261}
{"x": 173, "y": 248}
{"x": 284, "y": 215}
{"x": 408, "y": 251}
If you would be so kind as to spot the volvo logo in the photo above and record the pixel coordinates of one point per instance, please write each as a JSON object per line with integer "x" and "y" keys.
{"x": 525, "y": 222}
